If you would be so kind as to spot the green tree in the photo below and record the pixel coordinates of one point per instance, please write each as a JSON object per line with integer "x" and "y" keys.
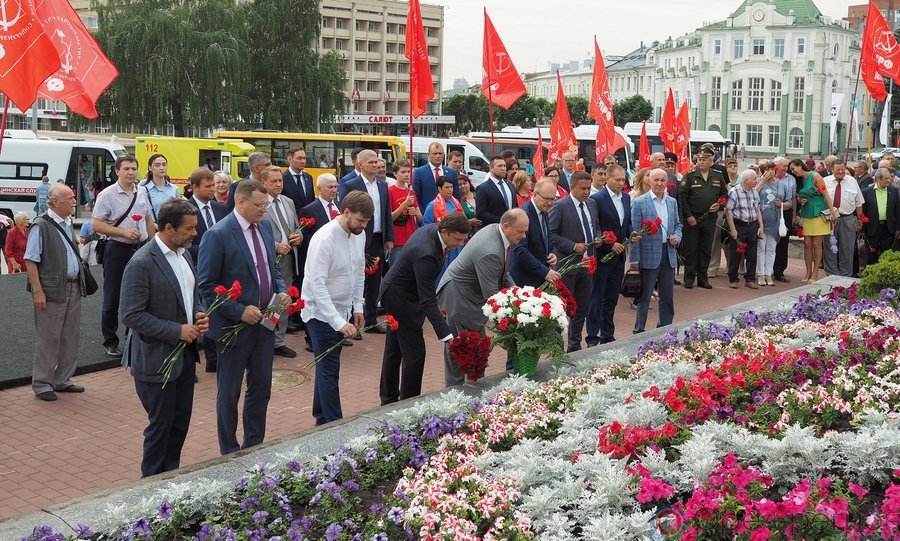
{"x": 578, "y": 110}
{"x": 470, "y": 110}
{"x": 633, "y": 109}
{"x": 527, "y": 112}
{"x": 179, "y": 63}
{"x": 285, "y": 80}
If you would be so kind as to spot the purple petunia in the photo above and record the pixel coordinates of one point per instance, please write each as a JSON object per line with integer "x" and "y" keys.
{"x": 260, "y": 517}
{"x": 165, "y": 510}
{"x": 333, "y": 531}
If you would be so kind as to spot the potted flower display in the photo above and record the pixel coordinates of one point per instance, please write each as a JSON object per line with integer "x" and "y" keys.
{"x": 527, "y": 322}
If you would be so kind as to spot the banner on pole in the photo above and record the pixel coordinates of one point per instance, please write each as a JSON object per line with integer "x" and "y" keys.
{"x": 837, "y": 100}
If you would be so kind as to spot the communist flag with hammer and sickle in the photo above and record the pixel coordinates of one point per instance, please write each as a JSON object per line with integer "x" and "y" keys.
{"x": 27, "y": 56}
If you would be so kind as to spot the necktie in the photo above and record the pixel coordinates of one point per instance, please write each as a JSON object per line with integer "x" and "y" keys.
{"x": 208, "y": 215}
{"x": 299, "y": 180}
{"x": 837, "y": 195}
{"x": 332, "y": 211}
{"x": 502, "y": 187}
{"x": 588, "y": 238}
{"x": 545, "y": 232}
{"x": 265, "y": 282}
{"x": 284, "y": 225}
{"x": 437, "y": 173}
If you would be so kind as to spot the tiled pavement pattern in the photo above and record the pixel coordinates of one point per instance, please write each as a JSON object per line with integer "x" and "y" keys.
{"x": 51, "y": 452}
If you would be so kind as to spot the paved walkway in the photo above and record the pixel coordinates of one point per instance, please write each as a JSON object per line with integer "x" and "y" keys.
{"x": 51, "y": 452}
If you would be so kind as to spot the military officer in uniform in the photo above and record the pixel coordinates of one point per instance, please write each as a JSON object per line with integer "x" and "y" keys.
{"x": 698, "y": 195}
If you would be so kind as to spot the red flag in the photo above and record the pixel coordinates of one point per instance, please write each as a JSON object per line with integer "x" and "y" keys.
{"x": 683, "y": 140}
{"x": 421, "y": 85}
{"x": 562, "y": 136}
{"x": 501, "y": 83}
{"x": 27, "y": 56}
{"x": 644, "y": 149}
{"x": 667, "y": 126}
{"x": 880, "y": 54}
{"x": 538, "y": 160}
{"x": 601, "y": 108}
{"x": 85, "y": 71}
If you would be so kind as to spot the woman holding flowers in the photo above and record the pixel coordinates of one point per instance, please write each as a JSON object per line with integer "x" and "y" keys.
{"x": 815, "y": 203}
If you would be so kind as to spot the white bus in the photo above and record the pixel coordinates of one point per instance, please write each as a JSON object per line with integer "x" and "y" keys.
{"x": 23, "y": 162}
{"x": 586, "y": 135}
{"x": 475, "y": 164}
{"x": 698, "y": 138}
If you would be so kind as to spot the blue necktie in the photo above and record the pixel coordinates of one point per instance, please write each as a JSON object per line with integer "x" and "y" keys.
{"x": 502, "y": 187}
{"x": 545, "y": 232}
{"x": 588, "y": 238}
{"x": 265, "y": 282}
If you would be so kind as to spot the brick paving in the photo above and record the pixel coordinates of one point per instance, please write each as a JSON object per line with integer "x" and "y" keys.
{"x": 51, "y": 452}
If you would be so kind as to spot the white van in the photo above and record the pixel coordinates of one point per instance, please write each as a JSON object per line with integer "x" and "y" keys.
{"x": 475, "y": 164}
{"x": 23, "y": 162}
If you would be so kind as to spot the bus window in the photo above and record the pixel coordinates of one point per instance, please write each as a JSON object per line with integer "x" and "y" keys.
{"x": 387, "y": 154}
{"x": 320, "y": 155}
{"x": 477, "y": 163}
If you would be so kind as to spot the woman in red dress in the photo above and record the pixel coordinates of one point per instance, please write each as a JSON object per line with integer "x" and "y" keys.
{"x": 16, "y": 240}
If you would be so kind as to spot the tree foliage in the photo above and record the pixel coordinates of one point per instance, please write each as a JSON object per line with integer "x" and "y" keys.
{"x": 633, "y": 109}
{"x": 578, "y": 110}
{"x": 216, "y": 63}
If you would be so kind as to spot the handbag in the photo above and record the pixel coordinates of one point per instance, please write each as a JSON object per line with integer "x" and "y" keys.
{"x": 101, "y": 239}
{"x": 632, "y": 285}
{"x": 88, "y": 282}
{"x": 782, "y": 227}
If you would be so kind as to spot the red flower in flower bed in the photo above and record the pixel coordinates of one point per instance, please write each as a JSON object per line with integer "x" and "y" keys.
{"x": 624, "y": 440}
{"x": 470, "y": 351}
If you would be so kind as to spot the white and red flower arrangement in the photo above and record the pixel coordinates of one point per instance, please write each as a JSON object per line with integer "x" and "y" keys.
{"x": 527, "y": 320}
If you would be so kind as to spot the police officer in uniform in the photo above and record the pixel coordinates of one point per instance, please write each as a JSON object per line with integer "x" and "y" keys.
{"x": 698, "y": 195}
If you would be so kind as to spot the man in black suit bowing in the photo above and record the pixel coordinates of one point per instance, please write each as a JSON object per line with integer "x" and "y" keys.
{"x": 573, "y": 227}
{"x": 495, "y": 195}
{"x": 379, "y": 231}
{"x": 614, "y": 214}
{"x": 408, "y": 293}
{"x": 210, "y": 212}
{"x": 533, "y": 259}
{"x": 298, "y": 184}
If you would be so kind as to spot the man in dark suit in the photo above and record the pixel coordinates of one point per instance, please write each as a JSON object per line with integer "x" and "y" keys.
{"x": 353, "y": 173}
{"x": 379, "y": 231}
{"x": 573, "y": 228}
{"x": 495, "y": 195}
{"x": 241, "y": 247}
{"x": 257, "y": 162}
{"x": 613, "y": 214}
{"x": 882, "y": 207}
{"x": 161, "y": 306}
{"x": 298, "y": 184}
{"x": 532, "y": 259}
{"x": 424, "y": 180}
{"x": 861, "y": 173}
{"x": 210, "y": 212}
{"x": 569, "y": 161}
{"x": 408, "y": 293}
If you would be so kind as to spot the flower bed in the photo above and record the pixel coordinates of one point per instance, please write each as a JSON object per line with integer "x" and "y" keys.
{"x": 778, "y": 426}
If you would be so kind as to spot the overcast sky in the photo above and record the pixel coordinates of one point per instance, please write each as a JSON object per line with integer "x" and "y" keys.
{"x": 537, "y": 32}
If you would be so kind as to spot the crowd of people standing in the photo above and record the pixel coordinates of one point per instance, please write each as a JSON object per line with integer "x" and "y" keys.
{"x": 422, "y": 244}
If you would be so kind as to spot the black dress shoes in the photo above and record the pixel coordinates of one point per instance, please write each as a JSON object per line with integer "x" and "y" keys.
{"x": 71, "y": 389}
{"x": 704, "y": 284}
{"x": 377, "y": 329}
{"x": 47, "y": 396}
{"x": 284, "y": 351}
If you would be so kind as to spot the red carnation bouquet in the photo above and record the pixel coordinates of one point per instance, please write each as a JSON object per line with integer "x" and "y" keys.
{"x": 470, "y": 351}
{"x": 372, "y": 264}
{"x": 648, "y": 228}
{"x": 302, "y": 224}
{"x": 390, "y": 322}
{"x": 222, "y": 295}
{"x": 270, "y": 316}
{"x": 568, "y": 299}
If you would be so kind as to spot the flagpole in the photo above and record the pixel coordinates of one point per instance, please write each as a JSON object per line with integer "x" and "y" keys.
{"x": 852, "y": 108}
{"x": 3, "y": 121}
{"x": 869, "y": 131}
{"x": 409, "y": 151}
{"x": 491, "y": 111}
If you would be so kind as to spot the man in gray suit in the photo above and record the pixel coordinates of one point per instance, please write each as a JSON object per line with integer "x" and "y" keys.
{"x": 480, "y": 270}
{"x": 161, "y": 306}
{"x": 282, "y": 216}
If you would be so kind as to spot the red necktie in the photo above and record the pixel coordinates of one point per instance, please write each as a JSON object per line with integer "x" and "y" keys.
{"x": 837, "y": 195}
{"x": 334, "y": 212}
{"x": 437, "y": 173}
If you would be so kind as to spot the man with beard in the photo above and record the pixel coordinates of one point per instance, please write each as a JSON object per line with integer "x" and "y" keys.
{"x": 333, "y": 296}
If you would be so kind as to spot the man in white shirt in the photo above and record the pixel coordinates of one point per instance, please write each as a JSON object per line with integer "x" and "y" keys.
{"x": 848, "y": 200}
{"x": 333, "y": 296}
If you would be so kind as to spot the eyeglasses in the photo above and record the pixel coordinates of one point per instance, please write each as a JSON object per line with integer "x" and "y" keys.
{"x": 554, "y": 198}
{"x": 263, "y": 206}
